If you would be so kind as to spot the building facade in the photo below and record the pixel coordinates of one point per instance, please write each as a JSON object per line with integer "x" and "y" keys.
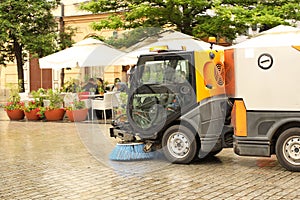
{"x": 34, "y": 77}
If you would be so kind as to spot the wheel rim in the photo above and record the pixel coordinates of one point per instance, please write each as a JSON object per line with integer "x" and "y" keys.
{"x": 291, "y": 150}
{"x": 178, "y": 145}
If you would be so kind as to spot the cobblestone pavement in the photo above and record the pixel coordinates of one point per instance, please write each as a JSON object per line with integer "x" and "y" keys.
{"x": 49, "y": 160}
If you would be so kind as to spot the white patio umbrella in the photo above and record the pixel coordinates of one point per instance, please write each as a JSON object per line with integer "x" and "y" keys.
{"x": 278, "y": 36}
{"x": 131, "y": 57}
{"x": 172, "y": 39}
{"x": 86, "y": 53}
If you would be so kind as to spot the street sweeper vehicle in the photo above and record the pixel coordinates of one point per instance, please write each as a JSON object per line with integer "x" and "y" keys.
{"x": 176, "y": 104}
{"x": 266, "y": 95}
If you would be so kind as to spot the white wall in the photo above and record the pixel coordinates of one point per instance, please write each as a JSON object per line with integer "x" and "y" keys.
{"x": 277, "y": 88}
{"x": 70, "y": 8}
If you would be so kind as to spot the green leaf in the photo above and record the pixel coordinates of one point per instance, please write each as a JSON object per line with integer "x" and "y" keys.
{"x": 230, "y": 18}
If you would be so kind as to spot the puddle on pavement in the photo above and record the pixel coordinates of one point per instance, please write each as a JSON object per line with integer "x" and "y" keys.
{"x": 96, "y": 139}
{"x": 266, "y": 162}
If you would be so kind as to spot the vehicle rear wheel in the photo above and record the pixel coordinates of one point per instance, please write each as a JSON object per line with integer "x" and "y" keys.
{"x": 288, "y": 149}
{"x": 179, "y": 144}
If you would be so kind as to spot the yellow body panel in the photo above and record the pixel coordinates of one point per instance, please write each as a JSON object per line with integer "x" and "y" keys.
{"x": 296, "y": 47}
{"x": 210, "y": 74}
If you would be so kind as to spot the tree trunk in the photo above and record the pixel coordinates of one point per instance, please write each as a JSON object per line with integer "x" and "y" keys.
{"x": 19, "y": 58}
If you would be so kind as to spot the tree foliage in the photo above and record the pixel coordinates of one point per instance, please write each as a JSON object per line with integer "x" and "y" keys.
{"x": 201, "y": 18}
{"x": 27, "y": 26}
{"x": 132, "y": 37}
{"x": 154, "y": 13}
{"x": 233, "y": 17}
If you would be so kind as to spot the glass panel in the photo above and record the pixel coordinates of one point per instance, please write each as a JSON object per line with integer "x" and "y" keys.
{"x": 166, "y": 71}
{"x": 164, "y": 90}
{"x": 153, "y": 72}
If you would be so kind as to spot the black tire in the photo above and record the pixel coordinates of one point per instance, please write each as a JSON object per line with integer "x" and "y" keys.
{"x": 288, "y": 149}
{"x": 213, "y": 153}
{"x": 179, "y": 144}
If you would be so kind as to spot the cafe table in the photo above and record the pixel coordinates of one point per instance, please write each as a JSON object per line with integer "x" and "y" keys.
{"x": 87, "y": 98}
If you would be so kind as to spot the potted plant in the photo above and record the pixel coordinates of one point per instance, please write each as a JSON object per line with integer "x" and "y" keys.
{"x": 102, "y": 87}
{"x": 54, "y": 111}
{"x": 32, "y": 108}
{"x": 14, "y": 110}
{"x": 92, "y": 91}
{"x": 14, "y": 105}
{"x": 77, "y": 111}
{"x": 105, "y": 85}
{"x": 73, "y": 86}
{"x": 101, "y": 90}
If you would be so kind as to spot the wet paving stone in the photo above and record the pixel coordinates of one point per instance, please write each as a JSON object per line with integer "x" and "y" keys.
{"x": 53, "y": 160}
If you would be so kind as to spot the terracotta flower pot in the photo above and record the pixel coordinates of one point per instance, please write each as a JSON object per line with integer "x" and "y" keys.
{"x": 15, "y": 114}
{"x": 77, "y": 115}
{"x": 32, "y": 115}
{"x": 55, "y": 115}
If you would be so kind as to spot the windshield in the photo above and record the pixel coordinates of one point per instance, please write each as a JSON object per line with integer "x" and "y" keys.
{"x": 165, "y": 71}
{"x": 162, "y": 89}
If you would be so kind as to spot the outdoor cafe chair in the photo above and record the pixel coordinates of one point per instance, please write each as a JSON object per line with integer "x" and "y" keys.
{"x": 108, "y": 102}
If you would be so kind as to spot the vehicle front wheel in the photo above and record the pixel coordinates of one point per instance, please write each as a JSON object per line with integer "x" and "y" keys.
{"x": 179, "y": 144}
{"x": 288, "y": 149}
{"x": 213, "y": 153}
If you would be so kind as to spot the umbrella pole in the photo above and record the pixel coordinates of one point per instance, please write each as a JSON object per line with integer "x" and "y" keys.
{"x": 62, "y": 77}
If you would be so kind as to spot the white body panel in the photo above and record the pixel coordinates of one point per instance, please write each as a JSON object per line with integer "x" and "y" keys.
{"x": 276, "y": 88}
